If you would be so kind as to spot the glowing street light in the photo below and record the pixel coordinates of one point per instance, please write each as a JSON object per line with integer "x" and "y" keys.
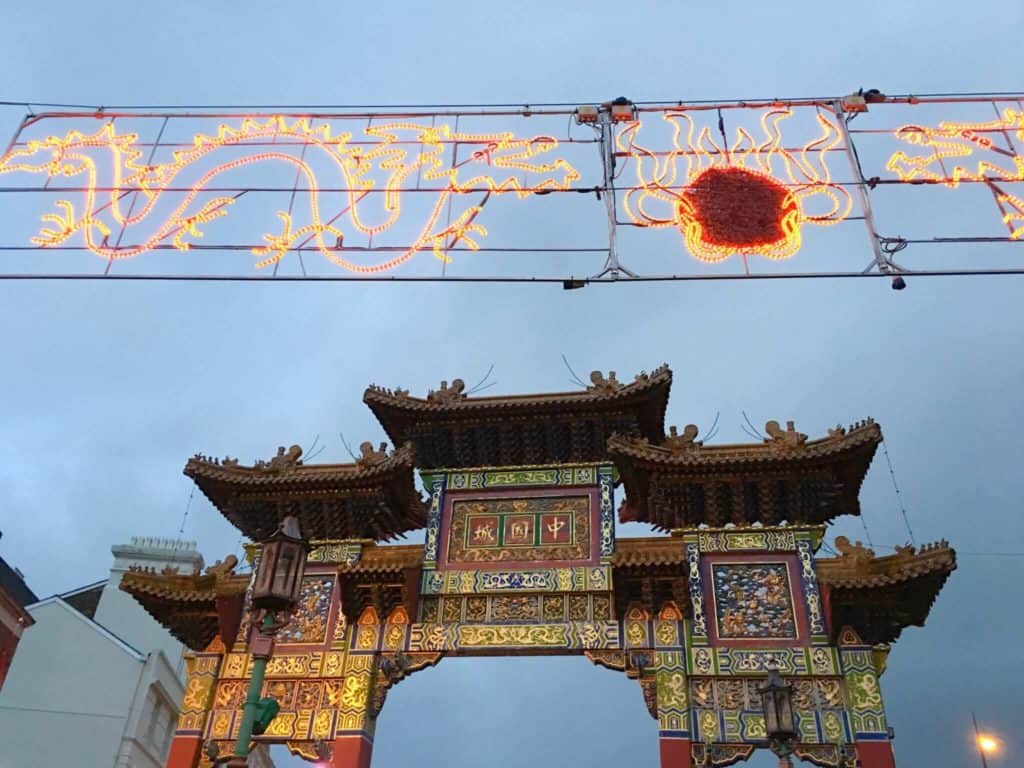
{"x": 987, "y": 744}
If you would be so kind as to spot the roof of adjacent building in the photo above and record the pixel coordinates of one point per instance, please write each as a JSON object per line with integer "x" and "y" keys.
{"x": 86, "y": 599}
{"x": 13, "y": 583}
{"x": 374, "y": 497}
{"x": 449, "y": 428}
{"x": 678, "y": 482}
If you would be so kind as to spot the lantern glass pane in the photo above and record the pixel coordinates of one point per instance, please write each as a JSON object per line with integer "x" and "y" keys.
{"x": 771, "y": 718}
{"x": 785, "y": 714}
{"x": 265, "y": 574}
{"x": 284, "y": 573}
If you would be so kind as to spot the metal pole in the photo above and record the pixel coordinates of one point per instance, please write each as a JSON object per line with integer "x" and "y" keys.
{"x": 252, "y": 698}
{"x": 612, "y": 267}
{"x": 977, "y": 741}
{"x": 885, "y": 266}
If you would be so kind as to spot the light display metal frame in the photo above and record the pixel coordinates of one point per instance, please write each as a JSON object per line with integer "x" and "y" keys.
{"x": 377, "y": 193}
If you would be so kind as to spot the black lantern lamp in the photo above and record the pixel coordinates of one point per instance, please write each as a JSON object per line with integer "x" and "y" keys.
{"x": 777, "y": 700}
{"x": 279, "y": 575}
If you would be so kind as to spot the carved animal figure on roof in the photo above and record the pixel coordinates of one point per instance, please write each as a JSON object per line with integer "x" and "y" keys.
{"x": 224, "y": 567}
{"x": 370, "y": 457}
{"x": 676, "y": 442}
{"x": 448, "y": 394}
{"x": 789, "y": 438}
{"x": 283, "y": 460}
{"x": 598, "y": 382}
{"x": 856, "y": 552}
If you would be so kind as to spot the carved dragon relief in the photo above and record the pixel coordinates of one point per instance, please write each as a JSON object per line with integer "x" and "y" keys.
{"x": 393, "y": 669}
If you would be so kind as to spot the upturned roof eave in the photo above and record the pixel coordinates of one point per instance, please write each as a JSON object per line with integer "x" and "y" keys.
{"x": 394, "y": 410}
{"x": 392, "y": 479}
{"x": 633, "y": 455}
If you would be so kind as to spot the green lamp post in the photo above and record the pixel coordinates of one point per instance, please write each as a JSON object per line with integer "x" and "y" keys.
{"x": 275, "y": 593}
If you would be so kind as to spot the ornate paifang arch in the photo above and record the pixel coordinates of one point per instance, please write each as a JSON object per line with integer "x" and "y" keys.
{"x": 522, "y": 559}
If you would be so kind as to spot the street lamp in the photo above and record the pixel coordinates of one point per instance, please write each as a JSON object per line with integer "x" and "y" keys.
{"x": 987, "y": 744}
{"x": 777, "y": 701}
{"x": 275, "y": 593}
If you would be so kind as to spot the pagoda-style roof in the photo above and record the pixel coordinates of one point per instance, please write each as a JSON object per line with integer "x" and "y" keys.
{"x": 451, "y": 429}
{"x": 649, "y": 552}
{"x": 649, "y": 572}
{"x": 678, "y": 482}
{"x": 383, "y": 578}
{"x": 372, "y": 498}
{"x": 393, "y": 558}
{"x": 879, "y": 596}
{"x": 193, "y": 607}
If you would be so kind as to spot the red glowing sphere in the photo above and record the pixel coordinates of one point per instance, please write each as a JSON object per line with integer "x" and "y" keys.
{"x": 736, "y": 210}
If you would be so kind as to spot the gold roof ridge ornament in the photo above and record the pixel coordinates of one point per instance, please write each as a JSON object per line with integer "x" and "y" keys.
{"x": 788, "y": 438}
{"x": 285, "y": 459}
{"x": 448, "y": 395}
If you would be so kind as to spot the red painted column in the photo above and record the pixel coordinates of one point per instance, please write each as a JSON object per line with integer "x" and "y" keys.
{"x": 185, "y": 751}
{"x": 875, "y": 754}
{"x": 352, "y": 751}
{"x": 675, "y": 753}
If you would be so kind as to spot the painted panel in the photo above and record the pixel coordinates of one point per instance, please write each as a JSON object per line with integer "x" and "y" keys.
{"x": 520, "y": 530}
{"x": 309, "y": 623}
{"x": 753, "y": 600}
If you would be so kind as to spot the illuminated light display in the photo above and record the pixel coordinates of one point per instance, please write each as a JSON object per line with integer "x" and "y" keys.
{"x": 380, "y": 154}
{"x": 959, "y": 141}
{"x": 750, "y": 199}
{"x": 351, "y": 193}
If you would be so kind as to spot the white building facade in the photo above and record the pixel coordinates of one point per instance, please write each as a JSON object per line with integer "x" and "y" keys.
{"x": 96, "y": 680}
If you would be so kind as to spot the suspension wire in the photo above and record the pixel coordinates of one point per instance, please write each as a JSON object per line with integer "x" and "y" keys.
{"x": 188, "y": 505}
{"x": 899, "y": 496}
{"x": 28, "y": 104}
{"x": 578, "y": 281}
{"x": 867, "y": 533}
{"x": 828, "y": 548}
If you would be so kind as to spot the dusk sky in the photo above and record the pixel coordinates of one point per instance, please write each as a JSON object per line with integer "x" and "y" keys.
{"x": 110, "y": 387}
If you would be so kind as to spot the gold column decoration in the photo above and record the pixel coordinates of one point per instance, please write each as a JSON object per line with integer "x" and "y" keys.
{"x": 202, "y": 670}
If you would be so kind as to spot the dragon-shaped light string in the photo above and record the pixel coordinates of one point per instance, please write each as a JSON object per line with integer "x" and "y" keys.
{"x": 68, "y": 156}
{"x": 957, "y": 141}
{"x": 750, "y": 199}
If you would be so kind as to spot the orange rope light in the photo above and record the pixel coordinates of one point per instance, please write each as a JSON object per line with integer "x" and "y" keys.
{"x": 959, "y": 141}
{"x": 734, "y": 201}
{"x": 361, "y": 165}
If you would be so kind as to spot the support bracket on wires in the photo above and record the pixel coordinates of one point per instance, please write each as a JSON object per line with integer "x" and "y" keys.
{"x": 610, "y": 113}
{"x": 881, "y": 260}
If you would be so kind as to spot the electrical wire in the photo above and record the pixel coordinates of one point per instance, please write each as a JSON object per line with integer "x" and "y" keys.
{"x": 899, "y": 496}
{"x": 188, "y": 506}
{"x": 526, "y": 108}
{"x": 576, "y": 281}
